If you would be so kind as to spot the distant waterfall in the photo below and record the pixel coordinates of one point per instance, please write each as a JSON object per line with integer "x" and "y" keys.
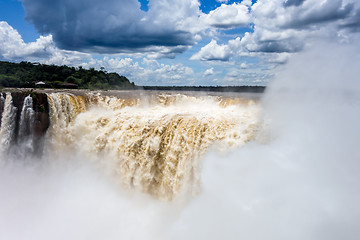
{"x": 27, "y": 118}
{"x": 2, "y": 105}
{"x": 8, "y": 123}
{"x": 26, "y": 128}
{"x": 18, "y": 139}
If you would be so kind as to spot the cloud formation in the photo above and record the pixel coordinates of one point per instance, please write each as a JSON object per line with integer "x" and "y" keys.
{"x": 213, "y": 52}
{"x": 253, "y": 37}
{"x": 171, "y": 27}
{"x": 43, "y": 50}
{"x": 146, "y": 72}
{"x": 283, "y": 27}
{"x": 311, "y": 13}
{"x": 289, "y": 3}
{"x": 13, "y": 48}
{"x": 209, "y": 72}
{"x": 352, "y": 23}
{"x": 112, "y": 26}
{"x": 228, "y": 16}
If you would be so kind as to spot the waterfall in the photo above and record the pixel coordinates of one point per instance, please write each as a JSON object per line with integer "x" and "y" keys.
{"x": 8, "y": 122}
{"x": 2, "y": 105}
{"x": 26, "y": 128}
{"x": 63, "y": 110}
{"x": 150, "y": 142}
{"x": 27, "y": 118}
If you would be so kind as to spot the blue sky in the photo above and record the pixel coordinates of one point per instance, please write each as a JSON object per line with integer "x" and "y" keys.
{"x": 174, "y": 42}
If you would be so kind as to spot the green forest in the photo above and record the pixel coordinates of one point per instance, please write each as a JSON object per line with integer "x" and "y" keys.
{"x": 28, "y": 75}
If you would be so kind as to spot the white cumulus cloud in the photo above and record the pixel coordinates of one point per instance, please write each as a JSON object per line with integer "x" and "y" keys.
{"x": 13, "y": 48}
{"x": 212, "y": 52}
{"x": 148, "y": 72}
{"x": 228, "y": 16}
{"x": 209, "y": 72}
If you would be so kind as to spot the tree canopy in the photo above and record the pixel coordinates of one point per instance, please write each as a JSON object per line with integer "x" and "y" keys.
{"x": 26, "y": 74}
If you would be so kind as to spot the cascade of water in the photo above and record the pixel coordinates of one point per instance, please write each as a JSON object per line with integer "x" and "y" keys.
{"x": 8, "y": 124}
{"x": 2, "y": 104}
{"x": 26, "y": 128}
{"x": 63, "y": 109}
{"x": 150, "y": 146}
{"x": 27, "y": 118}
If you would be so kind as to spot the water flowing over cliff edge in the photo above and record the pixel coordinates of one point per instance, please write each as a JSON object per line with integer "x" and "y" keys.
{"x": 149, "y": 141}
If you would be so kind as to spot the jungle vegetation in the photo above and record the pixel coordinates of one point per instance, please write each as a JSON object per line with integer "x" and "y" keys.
{"x": 27, "y": 74}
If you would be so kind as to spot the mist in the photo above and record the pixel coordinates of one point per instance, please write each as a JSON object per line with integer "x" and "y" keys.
{"x": 298, "y": 180}
{"x": 74, "y": 200}
{"x": 301, "y": 179}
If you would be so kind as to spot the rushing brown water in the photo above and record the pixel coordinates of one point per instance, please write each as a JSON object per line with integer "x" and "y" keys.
{"x": 151, "y": 142}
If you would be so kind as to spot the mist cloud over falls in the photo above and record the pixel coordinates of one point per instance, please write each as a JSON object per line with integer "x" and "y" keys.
{"x": 303, "y": 181}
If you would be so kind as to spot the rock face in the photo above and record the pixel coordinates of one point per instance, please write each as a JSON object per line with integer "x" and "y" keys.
{"x": 24, "y": 120}
{"x": 41, "y": 108}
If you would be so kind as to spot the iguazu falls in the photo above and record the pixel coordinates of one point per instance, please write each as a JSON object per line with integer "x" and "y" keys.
{"x": 135, "y": 164}
{"x": 180, "y": 119}
{"x": 151, "y": 141}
